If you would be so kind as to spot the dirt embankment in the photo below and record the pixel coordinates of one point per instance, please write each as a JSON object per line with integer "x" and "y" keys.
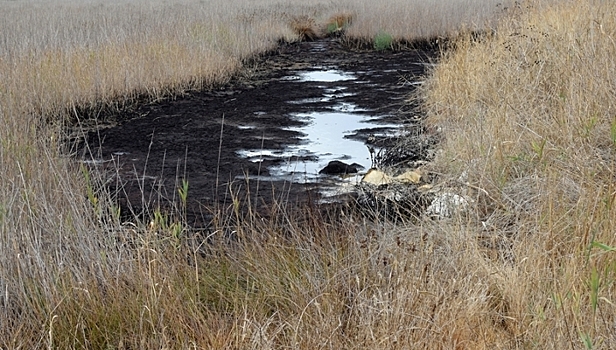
{"x": 148, "y": 150}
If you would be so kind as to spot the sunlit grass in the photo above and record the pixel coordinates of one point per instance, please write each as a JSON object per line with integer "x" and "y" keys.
{"x": 528, "y": 113}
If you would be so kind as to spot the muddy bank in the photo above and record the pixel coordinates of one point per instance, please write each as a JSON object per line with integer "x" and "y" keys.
{"x": 207, "y": 137}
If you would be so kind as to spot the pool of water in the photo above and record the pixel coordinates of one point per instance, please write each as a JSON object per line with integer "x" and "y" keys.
{"x": 325, "y": 132}
{"x": 325, "y": 76}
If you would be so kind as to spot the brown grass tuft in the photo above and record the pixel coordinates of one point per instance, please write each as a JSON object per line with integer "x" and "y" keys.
{"x": 338, "y": 23}
{"x": 305, "y": 27}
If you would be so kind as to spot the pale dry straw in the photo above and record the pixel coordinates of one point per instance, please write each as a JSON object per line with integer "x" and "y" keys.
{"x": 528, "y": 117}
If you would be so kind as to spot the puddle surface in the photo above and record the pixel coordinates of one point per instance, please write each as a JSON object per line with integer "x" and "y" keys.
{"x": 324, "y": 138}
{"x": 325, "y": 134}
{"x": 325, "y": 76}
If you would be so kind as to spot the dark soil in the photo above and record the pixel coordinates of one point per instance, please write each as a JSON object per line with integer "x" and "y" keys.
{"x": 147, "y": 151}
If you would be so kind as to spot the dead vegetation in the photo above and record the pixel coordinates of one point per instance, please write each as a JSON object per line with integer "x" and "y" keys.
{"x": 527, "y": 114}
{"x": 527, "y": 118}
{"x": 305, "y": 28}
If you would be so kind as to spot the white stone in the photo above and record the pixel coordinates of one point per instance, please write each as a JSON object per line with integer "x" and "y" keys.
{"x": 447, "y": 204}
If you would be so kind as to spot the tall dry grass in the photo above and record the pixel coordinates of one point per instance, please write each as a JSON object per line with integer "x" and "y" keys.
{"x": 405, "y": 20}
{"x": 56, "y": 58}
{"x": 528, "y": 116}
{"x": 73, "y": 276}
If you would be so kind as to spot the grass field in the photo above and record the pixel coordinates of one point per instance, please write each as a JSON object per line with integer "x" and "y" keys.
{"x": 528, "y": 119}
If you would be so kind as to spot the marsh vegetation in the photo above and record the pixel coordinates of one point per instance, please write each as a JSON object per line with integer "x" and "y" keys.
{"x": 522, "y": 99}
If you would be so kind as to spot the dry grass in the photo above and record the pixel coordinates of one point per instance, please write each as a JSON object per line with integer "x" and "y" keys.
{"x": 307, "y": 285}
{"x": 422, "y": 19}
{"x": 528, "y": 115}
{"x": 532, "y": 107}
{"x": 305, "y": 27}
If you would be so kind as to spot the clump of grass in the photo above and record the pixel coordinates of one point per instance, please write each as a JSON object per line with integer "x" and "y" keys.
{"x": 383, "y": 41}
{"x": 305, "y": 27}
{"x": 337, "y": 24}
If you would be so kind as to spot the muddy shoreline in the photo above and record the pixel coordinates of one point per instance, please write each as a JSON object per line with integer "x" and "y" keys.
{"x": 147, "y": 151}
